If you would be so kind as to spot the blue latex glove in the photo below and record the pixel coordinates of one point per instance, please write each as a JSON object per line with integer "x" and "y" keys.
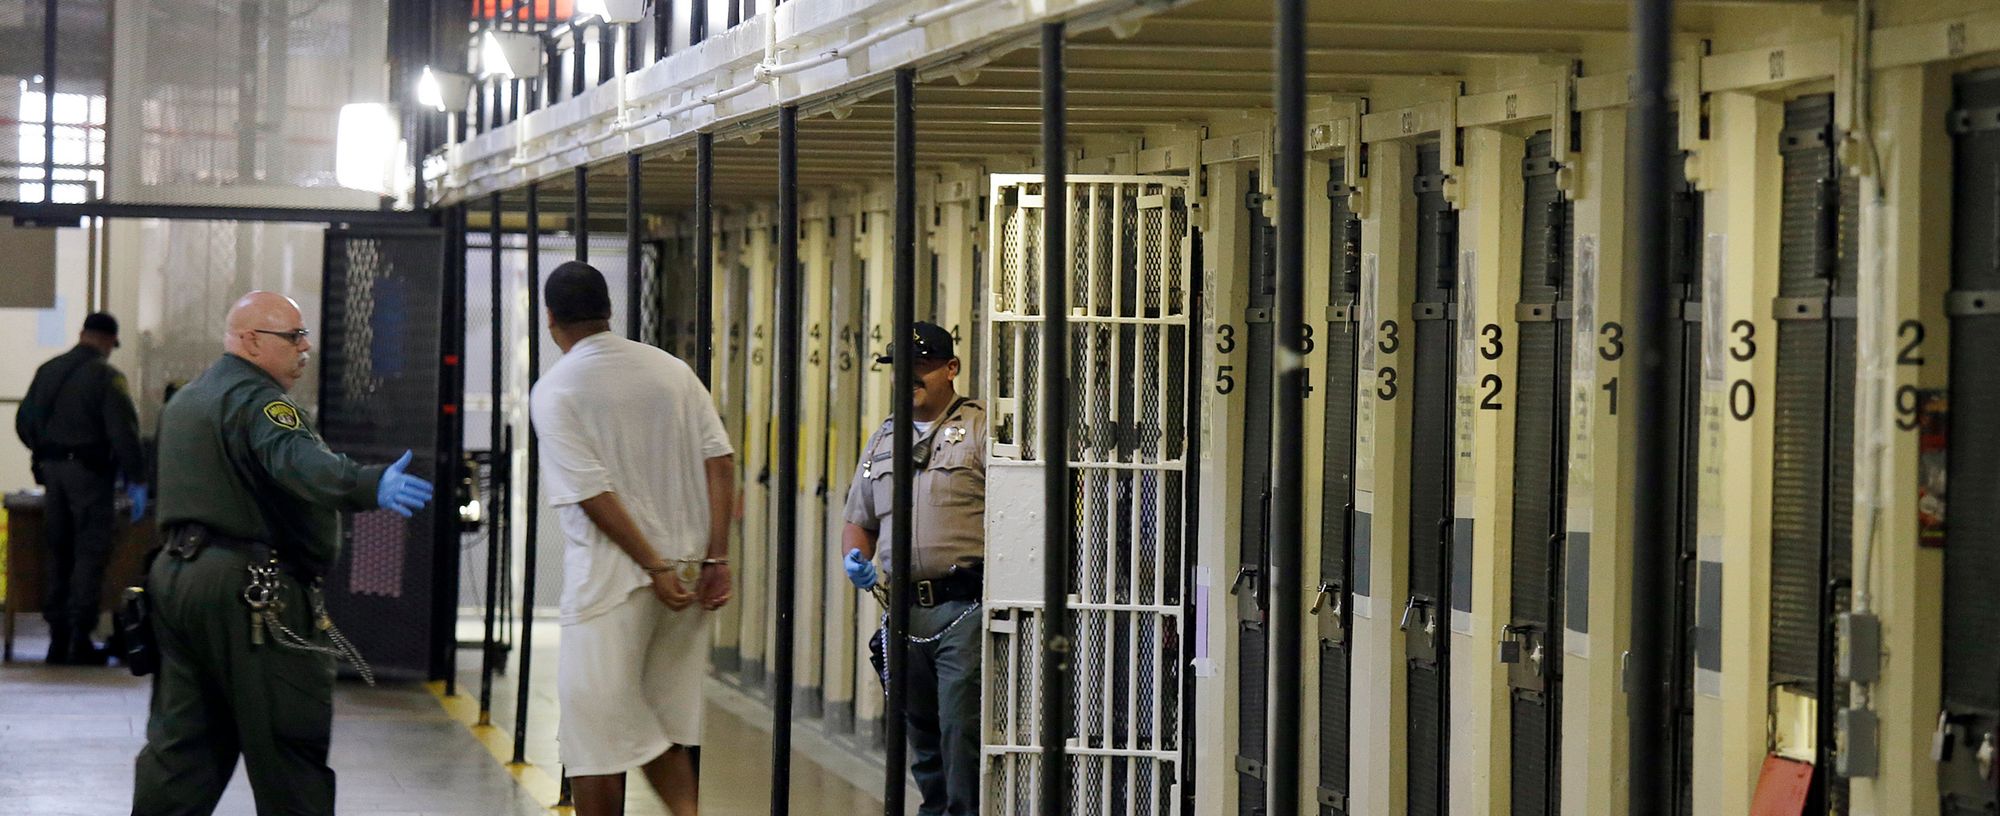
{"x": 137, "y": 493}
{"x": 860, "y": 571}
{"x": 401, "y": 493}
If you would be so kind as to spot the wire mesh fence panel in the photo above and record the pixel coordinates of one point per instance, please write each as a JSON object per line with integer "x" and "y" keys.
{"x": 1128, "y": 248}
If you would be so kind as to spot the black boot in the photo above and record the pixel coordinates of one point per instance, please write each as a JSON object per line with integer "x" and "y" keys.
{"x": 82, "y": 652}
{"x": 59, "y": 643}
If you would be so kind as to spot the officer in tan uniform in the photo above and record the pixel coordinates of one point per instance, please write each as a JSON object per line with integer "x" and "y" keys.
{"x": 948, "y": 556}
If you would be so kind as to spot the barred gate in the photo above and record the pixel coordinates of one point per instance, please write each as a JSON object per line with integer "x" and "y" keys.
{"x": 1129, "y": 301}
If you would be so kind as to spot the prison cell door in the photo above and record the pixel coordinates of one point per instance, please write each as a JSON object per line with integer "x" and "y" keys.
{"x": 1129, "y": 338}
{"x": 1531, "y": 642}
{"x": 1432, "y": 381}
{"x": 1684, "y": 408}
{"x": 1253, "y": 536}
{"x": 846, "y": 431}
{"x": 1336, "y": 571}
{"x": 1812, "y": 468}
{"x": 1971, "y": 717}
{"x": 381, "y": 307}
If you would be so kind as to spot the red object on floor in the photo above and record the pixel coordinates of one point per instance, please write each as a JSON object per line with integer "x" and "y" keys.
{"x": 1782, "y": 787}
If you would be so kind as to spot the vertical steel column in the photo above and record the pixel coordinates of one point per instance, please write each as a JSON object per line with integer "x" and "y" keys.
{"x": 576, "y": 62}
{"x": 450, "y": 453}
{"x": 494, "y": 499}
{"x": 49, "y": 13}
{"x": 704, "y": 254}
{"x": 785, "y": 543}
{"x": 580, "y": 214}
{"x": 1650, "y": 673}
{"x": 1057, "y": 508}
{"x": 1287, "y": 546}
{"x": 635, "y": 287}
{"x": 903, "y": 305}
{"x": 534, "y": 496}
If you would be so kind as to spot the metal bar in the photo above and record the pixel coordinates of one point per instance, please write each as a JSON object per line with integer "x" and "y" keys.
{"x": 607, "y": 51}
{"x": 634, "y": 233}
{"x": 450, "y": 450}
{"x": 704, "y": 252}
{"x": 904, "y": 318}
{"x": 1057, "y": 530}
{"x": 534, "y": 477}
{"x": 44, "y": 211}
{"x": 1287, "y": 545}
{"x": 663, "y": 28}
{"x": 785, "y": 542}
{"x": 1649, "y": 683}
{"x": 580, "y": 217}
{"x": 495, "y": 500}
{"x": 577, "y": 83}
{"x": 49, "y": 14}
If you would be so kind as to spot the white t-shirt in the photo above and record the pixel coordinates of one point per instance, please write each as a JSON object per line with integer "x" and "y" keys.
{"x": 617, "y": 416}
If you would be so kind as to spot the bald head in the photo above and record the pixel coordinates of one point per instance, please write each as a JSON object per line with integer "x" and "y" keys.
{"x": 268, "y": 330}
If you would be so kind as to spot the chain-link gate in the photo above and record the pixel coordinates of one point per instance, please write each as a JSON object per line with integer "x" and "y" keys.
{"x": 379, "y": 381}
{"x": 1532, "y": 639}
{"x": 1969, "y": 726}
{"x": 1130, "y": 289}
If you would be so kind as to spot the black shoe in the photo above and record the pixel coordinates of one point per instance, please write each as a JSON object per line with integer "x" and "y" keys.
{"x": 82, "y": 652}
{"x": 61, "y": 645}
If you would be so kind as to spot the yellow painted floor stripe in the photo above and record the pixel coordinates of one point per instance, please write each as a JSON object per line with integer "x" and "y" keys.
{"x": 545, "y": 789}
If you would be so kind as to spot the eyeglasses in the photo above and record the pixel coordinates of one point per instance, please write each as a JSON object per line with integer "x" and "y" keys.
{"x": 295, "y": 336}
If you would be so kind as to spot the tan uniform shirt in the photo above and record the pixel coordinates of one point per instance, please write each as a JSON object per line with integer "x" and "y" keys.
{"x": 948, "y": 496}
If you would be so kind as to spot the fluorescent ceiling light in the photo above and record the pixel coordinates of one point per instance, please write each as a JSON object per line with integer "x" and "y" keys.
{"x": 443, "y": 90}
{"x": 510, "y": 54}
{"x": 365, "y": 154}
{"x": 613, "y": 11}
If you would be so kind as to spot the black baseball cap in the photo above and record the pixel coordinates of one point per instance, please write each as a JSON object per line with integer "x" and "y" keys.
{"x": 929, "y": 340}
{"x": 102, "y": 323}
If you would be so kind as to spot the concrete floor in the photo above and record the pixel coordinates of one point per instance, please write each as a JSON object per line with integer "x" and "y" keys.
{"x": 68, "y": 736}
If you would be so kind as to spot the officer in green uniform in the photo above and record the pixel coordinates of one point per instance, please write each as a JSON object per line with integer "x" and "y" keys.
{"x": 81, "y": 431}
{"x": 948, "y": 555}
{"x": 249, "y": 503}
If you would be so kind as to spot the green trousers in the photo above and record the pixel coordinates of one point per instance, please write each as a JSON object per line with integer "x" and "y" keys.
{"x": 218, "y": 696}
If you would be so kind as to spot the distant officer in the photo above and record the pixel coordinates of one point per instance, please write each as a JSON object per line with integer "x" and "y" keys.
{"x": 948, "y": 555}
{"x": 81, "y": 431}
{"x": 249, "y": 503}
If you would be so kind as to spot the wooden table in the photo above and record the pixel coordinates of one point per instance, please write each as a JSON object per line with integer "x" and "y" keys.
{"x": 26, "y": 575}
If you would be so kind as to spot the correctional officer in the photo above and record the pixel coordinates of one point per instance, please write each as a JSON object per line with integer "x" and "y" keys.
{"x": 249, "y": 502}
{"x": 82, "y": 433}
{"x": 947, "y": 561}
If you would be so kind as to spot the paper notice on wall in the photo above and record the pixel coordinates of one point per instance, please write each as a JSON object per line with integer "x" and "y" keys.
{"x": 1204, "y": 585}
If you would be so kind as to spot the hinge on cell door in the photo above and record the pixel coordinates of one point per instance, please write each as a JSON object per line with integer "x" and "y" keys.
{"x": 1972, "y": 302}
{"x": 1250, "y": 767}
{"x": 1331, "y": 632}
{"x": 1330, "y": 798}
{"x": 1972, "y": 120}
{"x": 1350, "y": 255}
{"x": 1247, "y": 608}
{"x": 1257, "y": 314}
{"x": 1254, "y": 201}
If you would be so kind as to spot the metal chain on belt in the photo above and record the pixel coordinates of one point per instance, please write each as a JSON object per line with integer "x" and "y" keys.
{"x": 262, "y": 596}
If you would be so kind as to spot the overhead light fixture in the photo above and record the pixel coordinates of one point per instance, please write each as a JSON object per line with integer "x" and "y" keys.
{"x": 510, "y": 54}
{"x": 613, "y": 11}
{"x": 444, "y": 90}
{"x": 365, "y": 152}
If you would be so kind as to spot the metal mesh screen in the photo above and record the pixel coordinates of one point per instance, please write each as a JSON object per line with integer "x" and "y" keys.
{"x": 1128, "y": 329}
{"x": 218, "y": 102}
{"x": 379, "y": 391}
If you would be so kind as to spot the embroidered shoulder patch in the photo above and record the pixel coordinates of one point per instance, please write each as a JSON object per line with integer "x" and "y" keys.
{"x": 282, "y": 414}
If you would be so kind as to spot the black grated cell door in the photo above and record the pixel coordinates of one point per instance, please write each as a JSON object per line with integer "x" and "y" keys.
{"x": 1685, "y": 366}
{"x": 1432, "y": 379}
{"x": 381, "y": 385}
{"x": 1812, "y": 468}
{"x": 1254, "y": 537}
{"x": 1533, "y": 637}
{"x": 1972, "y": 525}
{"x": 1337, "y": 497}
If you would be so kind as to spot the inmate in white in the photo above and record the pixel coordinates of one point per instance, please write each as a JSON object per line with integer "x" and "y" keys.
{"x": 617, "y": 416}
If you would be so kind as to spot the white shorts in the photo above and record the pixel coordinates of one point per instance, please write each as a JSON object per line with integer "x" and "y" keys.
{"x": 629, "y": 683}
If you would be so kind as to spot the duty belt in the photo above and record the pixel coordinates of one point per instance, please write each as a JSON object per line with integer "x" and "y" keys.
{"x": 957, "y": 586}
{"x": 261, "y": 595}
{"x": 185, "y": 541}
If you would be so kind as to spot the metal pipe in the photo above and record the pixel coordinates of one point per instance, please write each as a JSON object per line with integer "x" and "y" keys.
{"x": 634, "y": 233}
{"x": 704, "y": 253}
{"x": 450, "y": 451}
{"x": 787, "y": 487}
{"x": 580, "y": 214}
{"x": 1056, "y": 508}
{"x": 533, "y": 496}
{"x": 903, "y": 439}
{"x": 49, "y": 14}
{"x": 1287, "y": 545}
{"x": 1649, "y": 665}
{"x": 496, "y": 323}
